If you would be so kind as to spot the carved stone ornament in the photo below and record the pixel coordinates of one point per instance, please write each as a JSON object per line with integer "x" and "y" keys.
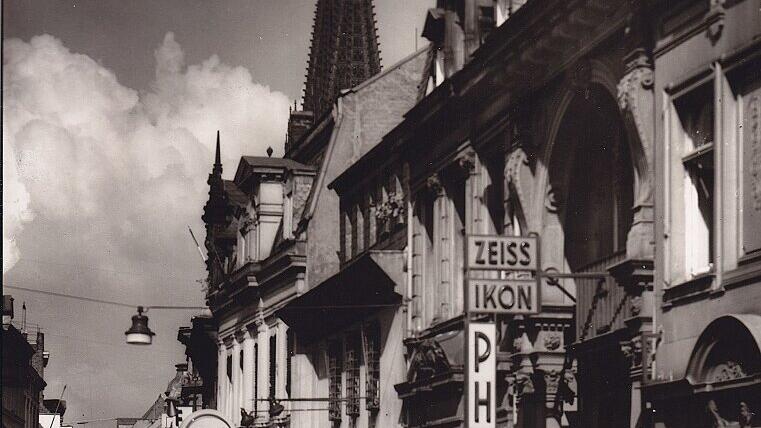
{"x": 636, "y": 306}
{"x": 727, "y": 370}
{"x": 632, "y": 350}
{"x": 552, "y": 200}
{"x": 639, "y": 76}
{"x": 518, "y": 344}
{"x": 552, "y": 341}
{"x": 433, "y": 184}
{"x": 715, "y": 20}
{"x": 392, "y": 208}
{"x": 427, "y": 360}
{"x": 247, "y": 224}
{"x": 570, "y": 386}
{"x": 524, "y": 384}
{"x": 467, "y": 162}
{"x": 551, "y": 381}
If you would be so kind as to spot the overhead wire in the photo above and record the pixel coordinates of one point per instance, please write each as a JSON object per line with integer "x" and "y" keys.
{"x": 110, "y": 302}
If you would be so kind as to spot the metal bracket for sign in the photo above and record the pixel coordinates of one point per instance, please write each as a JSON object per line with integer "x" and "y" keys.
{"x": 553, "y": 279}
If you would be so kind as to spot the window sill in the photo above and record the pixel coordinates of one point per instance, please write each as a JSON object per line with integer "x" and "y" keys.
{"x": 688, "y": 290}
{"x": 748, "y": 271}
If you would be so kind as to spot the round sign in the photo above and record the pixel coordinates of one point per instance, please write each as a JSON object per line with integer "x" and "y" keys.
{"x": 206, "y": 418}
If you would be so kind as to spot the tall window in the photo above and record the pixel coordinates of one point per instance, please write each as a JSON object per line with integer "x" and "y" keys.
{"x": 273, "y": 365}
{"x": 696, "y": 116}
{"x": 290, "y": 350}
{"x": 334, "y": 375}
{"x": 371, "y": 334}
{"x": 256, "y": 376}
{"x": 351, "y": 368}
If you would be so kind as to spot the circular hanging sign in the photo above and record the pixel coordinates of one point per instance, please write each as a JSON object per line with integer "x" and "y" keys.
{"x": 206, "y": 418}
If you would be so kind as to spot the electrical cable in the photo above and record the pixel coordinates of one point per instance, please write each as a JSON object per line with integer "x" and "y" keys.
{"x": 103, "y": 301}
{"x": 70, "y": 296}
{"x": 109, "y": 302}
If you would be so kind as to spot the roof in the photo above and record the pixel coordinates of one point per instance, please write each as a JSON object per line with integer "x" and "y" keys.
{"x": 270, "y": 162}
{"x": 235, "y": 194}
{"x": 377, "y": 106}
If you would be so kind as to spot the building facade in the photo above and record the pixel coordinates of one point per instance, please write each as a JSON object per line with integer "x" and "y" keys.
{"x": 24, "y": 360}
{"x": 349, "y": 322}
{"x": 269, "y": 232}
{"x": 623, "y": 135}
{"x": 546, "y": 119}
{"x": 707, "y": 83}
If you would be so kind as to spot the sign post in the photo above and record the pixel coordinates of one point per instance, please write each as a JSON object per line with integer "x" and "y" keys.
{"x": 513, "y": 296}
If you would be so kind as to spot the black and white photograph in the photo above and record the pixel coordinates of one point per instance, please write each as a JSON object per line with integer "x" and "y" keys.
{"x": 381, "y": 214}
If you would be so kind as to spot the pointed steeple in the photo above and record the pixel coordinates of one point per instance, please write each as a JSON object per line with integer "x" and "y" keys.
{"x": 218, "y": 158}
{"x": 216, "y": 206}
{"x": 344, "y": 51}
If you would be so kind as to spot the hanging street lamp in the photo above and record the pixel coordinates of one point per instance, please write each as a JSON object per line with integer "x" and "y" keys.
{"x": 139, "y": 333}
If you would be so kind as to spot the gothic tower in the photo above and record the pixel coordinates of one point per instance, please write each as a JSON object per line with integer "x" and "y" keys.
{"x": 344, "y": 53}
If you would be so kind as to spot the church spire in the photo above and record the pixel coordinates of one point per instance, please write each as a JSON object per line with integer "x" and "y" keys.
{"x": 217, "y": 158}
{"x": 344, "y": 51}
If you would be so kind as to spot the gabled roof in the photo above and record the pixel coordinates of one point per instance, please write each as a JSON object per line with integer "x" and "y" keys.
{"x": 382, "y": 102}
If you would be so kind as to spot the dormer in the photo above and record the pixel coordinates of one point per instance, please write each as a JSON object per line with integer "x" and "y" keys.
{"x": 269, "y": 184}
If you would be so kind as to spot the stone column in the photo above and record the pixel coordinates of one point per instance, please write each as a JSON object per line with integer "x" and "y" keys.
{"x": 248, "y": 369}
{"x": 263, "y": 372}
{"x": 221, "y": 377}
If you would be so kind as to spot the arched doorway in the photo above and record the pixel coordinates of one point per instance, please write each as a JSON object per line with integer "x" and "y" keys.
{"x": 592, "y": 175}
{"x": 599, "y": 180}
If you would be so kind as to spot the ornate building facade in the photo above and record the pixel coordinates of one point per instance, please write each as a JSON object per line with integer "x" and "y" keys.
{"x": 268, "y": 235}
{"x": 622, "y": 134}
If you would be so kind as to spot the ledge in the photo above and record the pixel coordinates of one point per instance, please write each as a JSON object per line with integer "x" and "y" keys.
{"x": 688, "y": 290}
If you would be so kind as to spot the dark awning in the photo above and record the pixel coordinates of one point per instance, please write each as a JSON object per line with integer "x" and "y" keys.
{"x": 362, "y": 287}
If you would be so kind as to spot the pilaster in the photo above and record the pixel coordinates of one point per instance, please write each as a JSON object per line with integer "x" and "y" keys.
{"x": 221, "y": 377}
{"x": 236, "y": 375}
{"x": 262, "y": 372}
{"x": 248, "y": 369}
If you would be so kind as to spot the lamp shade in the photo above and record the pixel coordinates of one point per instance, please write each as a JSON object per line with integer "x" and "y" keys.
{"x": 139, "y": 333}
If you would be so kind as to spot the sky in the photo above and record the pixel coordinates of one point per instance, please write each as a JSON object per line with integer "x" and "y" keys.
{"x": 110, "y": 110}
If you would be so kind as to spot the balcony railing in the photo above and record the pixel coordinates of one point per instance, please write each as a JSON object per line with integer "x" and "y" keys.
{"x": 601, "y": 304}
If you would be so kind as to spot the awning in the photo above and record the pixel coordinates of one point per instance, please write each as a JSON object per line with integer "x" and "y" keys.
{"x": 364, "y": 286}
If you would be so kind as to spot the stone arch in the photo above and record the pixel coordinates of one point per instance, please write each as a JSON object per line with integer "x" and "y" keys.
{"x": 729, "y": 348}
{"x": 597, "y": 75}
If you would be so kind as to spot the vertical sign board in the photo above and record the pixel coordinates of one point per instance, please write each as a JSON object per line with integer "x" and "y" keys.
{"x": 494, "y": 296}
{"x": 482, "y": 376}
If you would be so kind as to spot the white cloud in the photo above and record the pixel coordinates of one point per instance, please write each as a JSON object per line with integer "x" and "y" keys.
{"x": 113, "y": 176}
